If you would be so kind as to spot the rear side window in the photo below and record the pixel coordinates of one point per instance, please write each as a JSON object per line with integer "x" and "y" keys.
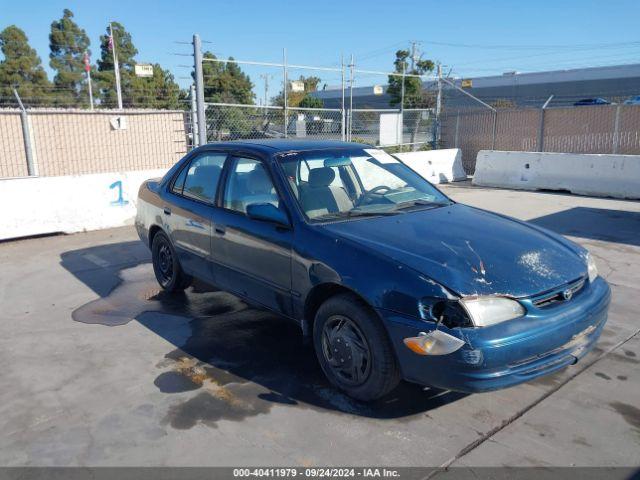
{"x": 179, "y": 182}
{"x": 199, "y": 180}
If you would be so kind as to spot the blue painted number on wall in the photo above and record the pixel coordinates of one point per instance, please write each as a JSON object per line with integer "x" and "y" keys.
{"x": 120, "y": 201}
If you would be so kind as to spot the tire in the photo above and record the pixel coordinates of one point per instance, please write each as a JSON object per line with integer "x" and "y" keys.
{"x": 345, "y": 331}
{"x": 166, "y": 267}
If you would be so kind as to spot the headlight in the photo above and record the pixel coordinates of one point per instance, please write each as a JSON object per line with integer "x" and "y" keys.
{"x": 485, "y": 311}
{"x": 591, "y": 268}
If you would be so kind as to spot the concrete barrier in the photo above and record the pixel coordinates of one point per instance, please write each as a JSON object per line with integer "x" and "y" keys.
{"x": 437, "y": 166}
{"x": 603, "y": 175}
{"x": 39, "y": 205}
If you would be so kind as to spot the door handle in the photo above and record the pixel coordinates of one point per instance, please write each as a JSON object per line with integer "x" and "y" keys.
{"x": 220, "y": 229}
{"x": 167, "y": 211}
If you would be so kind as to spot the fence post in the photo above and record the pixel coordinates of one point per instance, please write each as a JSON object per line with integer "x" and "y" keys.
{"x": 493, "y": 130}
{"x": 32, "y": 168}
{"x": 616, "y": 130}
{"x": 343, "y": 129}
{"x": 541, "y": 128}
{"x": 197, "y": 60}
{"x": 351, "y": 67}
{"x": 194, "y": 117}
{"x": 541, "y": 131}
{"x": 455, "y": 138}
{"x": 401, "y": 116}
{"x": 285, "y": 80}
{"x": 436, "y": 123}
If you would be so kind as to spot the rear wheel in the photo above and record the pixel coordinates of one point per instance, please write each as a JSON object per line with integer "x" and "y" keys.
{"x": 353, "y": 348}
{"x": 166, "y": 266}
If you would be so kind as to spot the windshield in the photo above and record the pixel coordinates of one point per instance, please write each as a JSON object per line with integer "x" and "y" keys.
{"x": 356, "y": 182}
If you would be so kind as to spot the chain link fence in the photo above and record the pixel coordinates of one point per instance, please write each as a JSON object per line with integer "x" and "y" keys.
{"x": 316, "y": 123}
{"x": 409, "y": 129}
{"x": 235, "y": 122}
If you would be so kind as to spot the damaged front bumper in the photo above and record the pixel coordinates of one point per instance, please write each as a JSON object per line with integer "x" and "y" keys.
{"x": 541, "y": 342}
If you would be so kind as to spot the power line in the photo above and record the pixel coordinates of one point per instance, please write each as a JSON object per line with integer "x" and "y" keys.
{"x": 532, "y": 47}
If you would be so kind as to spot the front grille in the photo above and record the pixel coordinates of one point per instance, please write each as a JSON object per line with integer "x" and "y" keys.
{"x": 559, "y": 295}
{"x": 578, "y": 340}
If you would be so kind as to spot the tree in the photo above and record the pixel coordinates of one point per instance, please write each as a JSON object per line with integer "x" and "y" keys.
{"x": 105, "y": 75}
{"x": 158, "y": 91}
{"x": 22, "y": 69}
{"x": 68, "y": 44}
{"x": 414, "y": 95}
{"x": 295, "y": 99}
{"x": 225, "y": 82}
{"x": 311, "y": 102}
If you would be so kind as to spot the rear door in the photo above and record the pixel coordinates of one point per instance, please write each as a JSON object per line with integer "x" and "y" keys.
{"x": 252, "y": 257}
{"x": 191, "y": 211}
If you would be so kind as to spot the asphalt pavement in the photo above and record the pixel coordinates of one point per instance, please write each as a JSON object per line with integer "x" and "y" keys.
{"x": 100, "y": 368}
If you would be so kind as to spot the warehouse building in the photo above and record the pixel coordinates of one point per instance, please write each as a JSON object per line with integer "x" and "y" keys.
{"x": 513, "y": 89}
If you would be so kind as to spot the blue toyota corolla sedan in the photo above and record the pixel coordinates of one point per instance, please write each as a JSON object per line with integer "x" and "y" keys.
{"x": 390, "y": 278}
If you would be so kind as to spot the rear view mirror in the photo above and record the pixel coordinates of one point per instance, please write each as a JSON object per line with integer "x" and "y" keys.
{"x": 337, "y": 162}
{"x": 267, "y": 212}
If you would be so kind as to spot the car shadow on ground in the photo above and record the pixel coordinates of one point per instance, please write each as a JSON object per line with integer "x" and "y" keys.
{"x": 240, "y": 360}
{"x": 618, "y": 226}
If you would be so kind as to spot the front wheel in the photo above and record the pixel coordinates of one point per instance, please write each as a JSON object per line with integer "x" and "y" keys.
{"x": 353, "y": 348}
{"x": 165, "y": 265}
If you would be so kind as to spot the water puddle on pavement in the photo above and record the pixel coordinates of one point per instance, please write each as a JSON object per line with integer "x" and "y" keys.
{"x": 238, "y": 361}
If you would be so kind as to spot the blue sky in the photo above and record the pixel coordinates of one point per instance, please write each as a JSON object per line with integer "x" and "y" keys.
{"x": 470, "y": 38}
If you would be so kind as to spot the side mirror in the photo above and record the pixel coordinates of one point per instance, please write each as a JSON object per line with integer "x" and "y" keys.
{"x": 267, "y": 212}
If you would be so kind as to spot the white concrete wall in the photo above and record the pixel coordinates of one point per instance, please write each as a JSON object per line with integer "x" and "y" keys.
{"x": 437, "y": 166}
{"x": 603, "y": 175}
{"x": 37, "y": 205}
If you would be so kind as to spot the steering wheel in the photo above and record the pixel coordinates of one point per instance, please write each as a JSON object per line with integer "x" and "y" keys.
{"x": 369, "y": 193}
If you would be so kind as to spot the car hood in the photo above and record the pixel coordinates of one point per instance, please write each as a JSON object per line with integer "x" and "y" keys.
{"x": 470, "y": 251}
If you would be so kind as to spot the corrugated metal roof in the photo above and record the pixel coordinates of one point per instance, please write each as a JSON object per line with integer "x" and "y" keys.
{"x": 514, "y": 79}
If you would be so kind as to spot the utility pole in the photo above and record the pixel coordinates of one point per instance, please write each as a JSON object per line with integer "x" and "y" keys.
{"x": 266, "y": 77}
{"x": 414, "y": 54}
{"x": 439, "y": 98}
{"x": 116, "y": 67}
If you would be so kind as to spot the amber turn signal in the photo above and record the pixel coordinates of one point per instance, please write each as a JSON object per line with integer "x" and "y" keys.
{"x": 420, "y": 345}
{"x": 433, "y": 343}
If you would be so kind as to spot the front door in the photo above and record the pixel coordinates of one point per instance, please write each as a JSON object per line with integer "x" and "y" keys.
{"x": 252, "y": 257}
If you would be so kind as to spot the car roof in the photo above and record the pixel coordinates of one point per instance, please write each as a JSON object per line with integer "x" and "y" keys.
{"x": 273, "y": 145}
